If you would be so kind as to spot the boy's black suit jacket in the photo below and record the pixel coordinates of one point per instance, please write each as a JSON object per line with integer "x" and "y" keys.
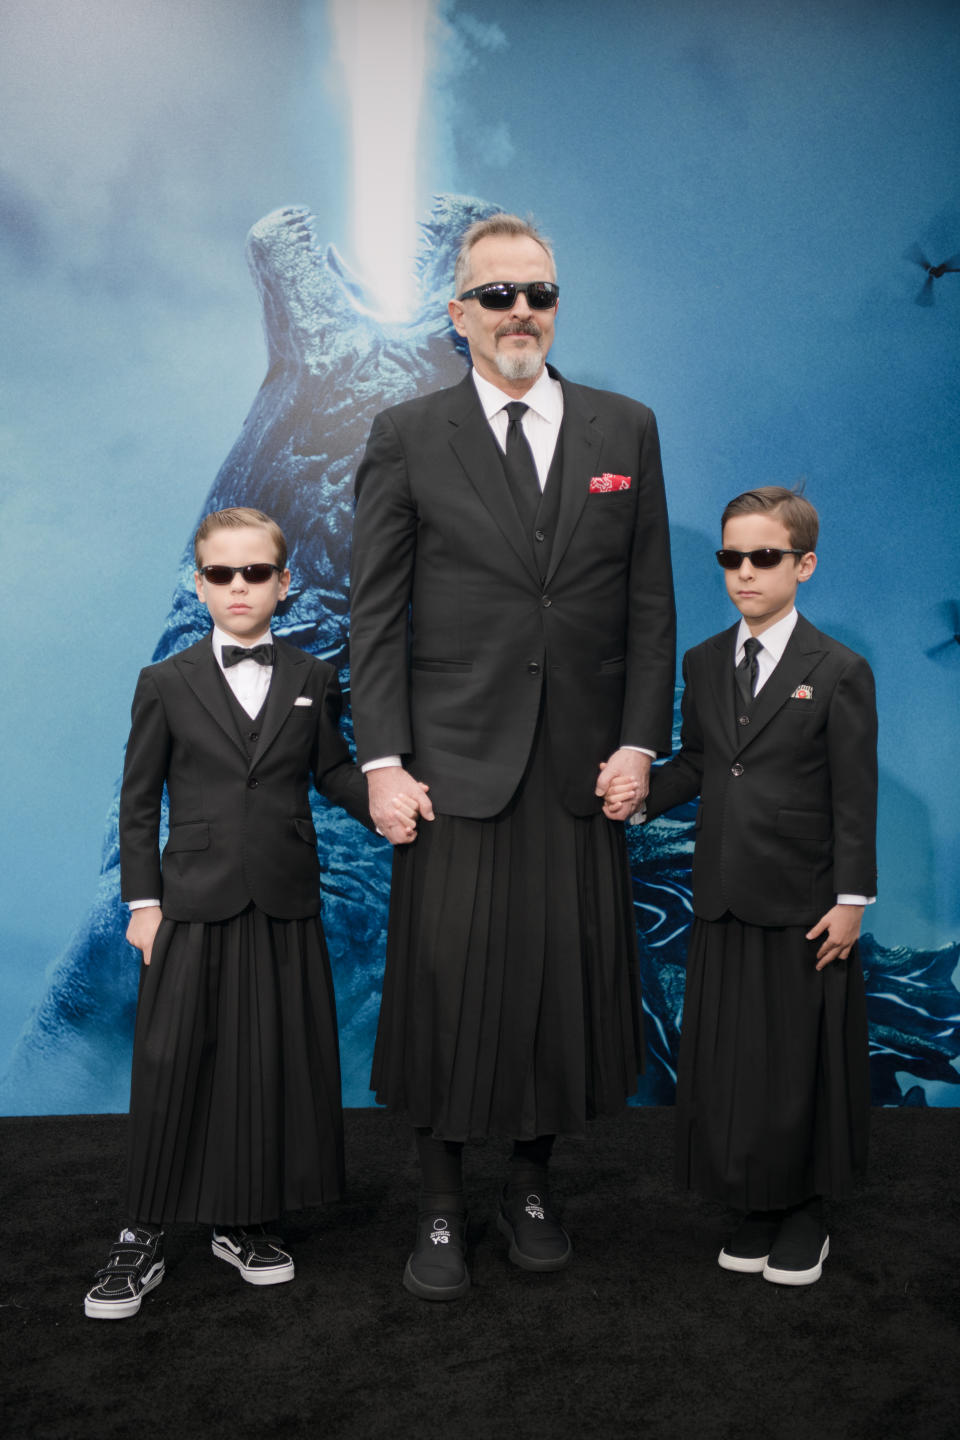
{"x": 240, "y": 829}
{"x": 787, "y": 815}
{"x": 454, "y": 638}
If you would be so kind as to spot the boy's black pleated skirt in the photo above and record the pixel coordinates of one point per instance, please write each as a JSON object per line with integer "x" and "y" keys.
{"x": 511, "y": 994}
{"x": 773, "y": 1089}
{"x": 235, "y": 1112}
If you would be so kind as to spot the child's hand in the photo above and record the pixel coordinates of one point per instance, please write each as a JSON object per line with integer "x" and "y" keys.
{"x": 397, "y": 801}
{"x": 842, "y": 926}
{"x": 143, "y": 927}
{"x": 622, "y": 793}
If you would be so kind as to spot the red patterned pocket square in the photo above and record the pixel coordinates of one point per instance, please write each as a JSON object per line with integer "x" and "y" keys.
{"x": 606, "y": 483}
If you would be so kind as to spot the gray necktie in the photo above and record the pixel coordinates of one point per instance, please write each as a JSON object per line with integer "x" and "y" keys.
{"x": 748, "y": 671}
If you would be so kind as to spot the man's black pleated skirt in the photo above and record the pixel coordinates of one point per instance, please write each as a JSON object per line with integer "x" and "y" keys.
{"x": 773, "y": 1090}
{"x": 511, "y": 992}
{"x": 235, "y": 1112}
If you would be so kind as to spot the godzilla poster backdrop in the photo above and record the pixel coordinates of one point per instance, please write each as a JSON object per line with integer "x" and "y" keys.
{"x": 756, "y": 215}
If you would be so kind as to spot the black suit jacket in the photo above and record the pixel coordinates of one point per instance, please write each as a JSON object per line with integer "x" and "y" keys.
{"x": 454, "y": 639}
{"x": 240, "y": 829}
{"x": 788, "y": 802}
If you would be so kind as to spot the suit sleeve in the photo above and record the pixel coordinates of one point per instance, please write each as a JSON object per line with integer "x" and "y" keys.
{"x": 852, "y": 747}
{"x": 681, "y": 778}
{"x": 651, "y": 636}
{"x": 141, "y": 793}
{"x": 334, "y": 773}
{"x": 381, "y": 581}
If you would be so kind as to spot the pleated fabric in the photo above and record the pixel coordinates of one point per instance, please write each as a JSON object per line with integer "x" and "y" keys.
{"x": 235, "y": 1112}
{"x": 511, "y": 992}
{"x": 773, "y": 1089}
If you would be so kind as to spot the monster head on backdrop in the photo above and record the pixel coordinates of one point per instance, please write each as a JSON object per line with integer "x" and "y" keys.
{"x": 332, "y": 366}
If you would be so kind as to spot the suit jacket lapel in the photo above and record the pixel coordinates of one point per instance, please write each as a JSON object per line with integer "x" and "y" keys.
{"x": 289, "y": 678}
{"x": 801, "y": 655}
{"x": 475, "y": 447}
{"x": 201, "y": 672}
{"x": 582, "y": 443}
{"x": 724, "y": 686}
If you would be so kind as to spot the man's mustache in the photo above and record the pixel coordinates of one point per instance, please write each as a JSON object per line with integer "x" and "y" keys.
{"x": 519, "y": 327}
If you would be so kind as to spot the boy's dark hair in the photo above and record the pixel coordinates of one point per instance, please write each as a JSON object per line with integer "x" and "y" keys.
{"x": 499, "y": 224}
{"x": 794, "y": 512}
{"x": 240, "y": 517}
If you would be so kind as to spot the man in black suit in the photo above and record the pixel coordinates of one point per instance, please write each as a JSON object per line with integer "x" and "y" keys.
{"x": 512, "y": 647}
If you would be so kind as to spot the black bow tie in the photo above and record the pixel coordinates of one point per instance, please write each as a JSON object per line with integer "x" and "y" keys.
{"x": 233, "y": 654}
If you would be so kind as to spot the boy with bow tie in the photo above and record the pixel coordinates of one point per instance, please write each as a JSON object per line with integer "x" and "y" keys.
{"x": 235, "y": 1092}
{"x": 779, "y": 740}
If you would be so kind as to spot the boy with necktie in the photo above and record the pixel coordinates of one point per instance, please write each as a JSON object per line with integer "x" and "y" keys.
{"x": 779, "y": 741}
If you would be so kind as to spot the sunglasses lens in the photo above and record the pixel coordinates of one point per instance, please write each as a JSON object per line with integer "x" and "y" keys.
{"x": 541, "y": 296}
{"x": 217, "y": 574}
{"x": 765, "y": 559}
{"x": 729, "y": 559}
{"x": 497, "y": 297}
{"x": 257, "y": 574}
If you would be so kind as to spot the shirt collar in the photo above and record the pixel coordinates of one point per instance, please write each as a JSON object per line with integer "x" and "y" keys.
{"x": 545, "y": 398}
{"x": 774, "y": 640}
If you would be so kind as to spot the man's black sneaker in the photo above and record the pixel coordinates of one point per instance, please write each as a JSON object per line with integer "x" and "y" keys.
{"x": 437, "y": 1268}
{"x": 134, "y": 1268}
{"x": 537, "y": 1239}
{"x": 257, "y": 1255}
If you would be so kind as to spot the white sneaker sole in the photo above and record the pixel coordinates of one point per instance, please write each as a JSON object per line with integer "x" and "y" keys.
{"x": 123, "y": 1309}
{"x": 743, "y": 1264}
{"x": 276, "y": 1275}
{"x": 798, "y": 1277}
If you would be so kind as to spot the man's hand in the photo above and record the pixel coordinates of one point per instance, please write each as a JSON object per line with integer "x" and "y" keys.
{"x": 842, "y": 926}
{"x": 623, "y": 783}
{"x": 396, "y": 800}
{"x": 142, "y": 929}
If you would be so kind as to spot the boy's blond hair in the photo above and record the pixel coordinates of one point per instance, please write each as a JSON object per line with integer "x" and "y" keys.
{"x": 240, "y": 517}
{"x": 794, "y": 512}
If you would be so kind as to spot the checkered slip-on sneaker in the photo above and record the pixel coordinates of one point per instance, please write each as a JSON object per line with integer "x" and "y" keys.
{"x": 257, "y": 1255}
{"x": 134, "y": 1268}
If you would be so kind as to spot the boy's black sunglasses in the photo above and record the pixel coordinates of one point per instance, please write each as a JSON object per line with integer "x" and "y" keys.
{"x": 252, "y": 574}
{"x": 765, "y": 559}
{"x": 501, "y": 294}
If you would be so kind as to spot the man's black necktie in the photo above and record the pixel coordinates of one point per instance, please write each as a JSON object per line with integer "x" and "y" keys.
{"x": 748, "y": 670}
{"x": 233, "y": 654}
{"x": 520, "y": 466}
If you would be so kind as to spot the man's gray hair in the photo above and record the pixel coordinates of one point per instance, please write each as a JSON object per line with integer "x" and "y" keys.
{"x": 500, "y": 224}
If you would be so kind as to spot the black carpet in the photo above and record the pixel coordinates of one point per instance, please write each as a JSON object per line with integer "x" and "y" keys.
{"x": 644, "y": 1336}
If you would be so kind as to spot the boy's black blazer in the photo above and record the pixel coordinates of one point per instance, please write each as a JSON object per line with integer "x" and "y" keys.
{"x": 788, "y": 801}
{"x": 240, "y": 829}
{"x": 453, "y": 636}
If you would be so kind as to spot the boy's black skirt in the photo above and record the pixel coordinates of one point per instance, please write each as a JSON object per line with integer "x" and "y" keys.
{"x": 235, "y": 1112}
{"x": 511, "y": 992}
{"x": 773, "y": 1090}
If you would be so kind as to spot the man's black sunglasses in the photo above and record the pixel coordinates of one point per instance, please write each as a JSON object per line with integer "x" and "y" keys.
{"x": 766, "y": 559}
{"x": 501, "y": 294}
{"x": 252, "y": 574}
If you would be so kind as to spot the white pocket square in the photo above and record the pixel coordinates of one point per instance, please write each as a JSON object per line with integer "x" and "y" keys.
{"x": 303, "y": 700}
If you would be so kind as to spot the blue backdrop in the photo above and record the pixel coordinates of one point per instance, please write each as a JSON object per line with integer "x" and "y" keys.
{"x": 733, "y": 196}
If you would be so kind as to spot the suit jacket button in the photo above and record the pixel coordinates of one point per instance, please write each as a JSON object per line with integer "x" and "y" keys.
{"x": 252, "y": 783}
{"x": 533, "y": 668}
{"x": 255, "y": 734}
{"x": 741, "y": 720}
{"x": 736, "y": 769}
{"x": 540, "y": 535}
{"x": 547, "y": 602}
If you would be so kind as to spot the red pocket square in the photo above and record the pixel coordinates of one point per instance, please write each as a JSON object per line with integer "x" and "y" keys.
{"x": 604, "y": 484}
